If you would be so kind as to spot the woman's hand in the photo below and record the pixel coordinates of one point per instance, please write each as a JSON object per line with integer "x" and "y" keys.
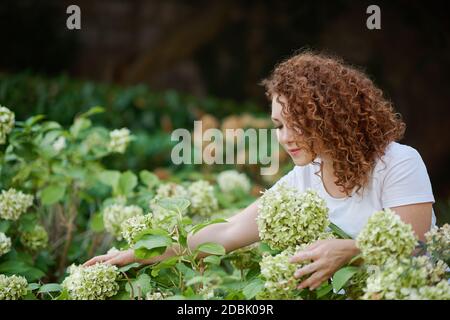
{"x": 119, "y": 258}
{"x": 326, "y": 257}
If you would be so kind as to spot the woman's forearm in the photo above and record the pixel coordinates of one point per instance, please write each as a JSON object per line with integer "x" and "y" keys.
{"x": 239, "y": 231}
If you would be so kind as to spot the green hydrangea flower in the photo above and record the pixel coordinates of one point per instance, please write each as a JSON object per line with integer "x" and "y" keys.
{"x": 385, "y": 235}
{"x": 35, "y": 239}
{"x": 14, "y": 203}
{"x": 96, "y": 282}
{"x": 6, "y": 123}
{"x": 119, "y": 140}
{"x": 5, "y": 244}
{"x": 202, "y": 198}
{"x": 438, "y": 242}
{"x": 400, "y": 279}
{"x": 115, "y": 215}
{"x": 12, "y": 287}
{"x": 135, "y": 225}
{"x": 232, "y": 180}
{"x": 440, "y": 291}
{"x": 278, "y": 274}
{"x": 288, "y": 217}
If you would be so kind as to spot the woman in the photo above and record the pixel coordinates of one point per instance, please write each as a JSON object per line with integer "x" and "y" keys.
{"x": 341, "y": 134}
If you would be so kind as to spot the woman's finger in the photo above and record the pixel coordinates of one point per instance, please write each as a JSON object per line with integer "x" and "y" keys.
{"x": 304, "y": 256}
{"x": 313, "y": 281}
{"x": 309, "y": 268}
{"x": 99, "y": 259}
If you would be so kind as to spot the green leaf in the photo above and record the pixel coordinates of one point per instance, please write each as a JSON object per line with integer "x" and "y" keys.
{"x": 96, "y": 223}
{"x": 341, "y": 277}
{"x": 148, "y": 178}
{"x": 63, "y": 296}
{"x": 129, "y": 266}
{"x": 92, "y": 111}
{"x": 151, "y": 246}
{"x": 33, "y": 286}
{"x": 174, "y": 204}
{"x": 79, "y": 125}
{"x": 253, "y": 288}
{"x": 212, "y": 260}
{"x": 110, "y": 178}
{"x": 323, "y": 290}
{"x": 140, "y": 286}
{"x": 50, "y": 287}
{"x": 52, "y": 194}
{"x": 211, "y": 248}
{"x": 339, "y": 232}
{"x": 127, "y": 182}
{"x": 4, "y": 225}
{"x": 200, "y": 226}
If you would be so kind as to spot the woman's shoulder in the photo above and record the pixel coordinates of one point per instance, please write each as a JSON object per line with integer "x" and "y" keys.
{"x": 398, "y": 155}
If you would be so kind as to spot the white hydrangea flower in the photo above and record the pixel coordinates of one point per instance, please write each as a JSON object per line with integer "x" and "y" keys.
{"x": 96, "y": 282}
{"x": 115, "y": 215}
{"x": 14, "y": 203}
{"x": 438, "y": 241}
{"x": 157, "y": 295}
{"x": 119, "y": 140}
{"x": 6, "y": 123}
{"x": 202, "y": 198}
{"x": 171, "y": 190}
{"x": 385, "y": 235}
{"x": 232, "y": 180}
{"x": 278, "y": 274}
{"x": 59, "y": 144}
{"x": 440, "y": 291}
{"x": 12, "y": 287}
{"x": 288, "y": 217}
{"x": 5, "y": 244}
{"x": 135, "y": 225}
{"x": 400, "y": 279}
{"x": 35, "y": 239}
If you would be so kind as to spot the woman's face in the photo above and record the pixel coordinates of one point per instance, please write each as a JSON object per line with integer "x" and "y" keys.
{"x": 288, "y": 138}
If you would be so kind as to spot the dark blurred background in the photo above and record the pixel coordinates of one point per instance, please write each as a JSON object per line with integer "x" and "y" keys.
{"x": 208, "y": 56}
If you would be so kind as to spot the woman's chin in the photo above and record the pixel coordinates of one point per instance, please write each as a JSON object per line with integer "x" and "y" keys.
{"x": 301, "y": 161}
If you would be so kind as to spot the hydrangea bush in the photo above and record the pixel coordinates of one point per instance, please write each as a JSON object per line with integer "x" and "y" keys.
{"x": 14, "y": 203}
{"x": 115, "y": 215}
{"x": 6, "y": 123}
{"x": 12, "y": 287}
{"x": 231, "y": 180}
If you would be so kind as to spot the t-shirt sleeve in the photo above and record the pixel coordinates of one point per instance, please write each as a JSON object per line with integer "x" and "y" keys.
{"x": 290, "y": 179}
{"x": 406, "y": 180}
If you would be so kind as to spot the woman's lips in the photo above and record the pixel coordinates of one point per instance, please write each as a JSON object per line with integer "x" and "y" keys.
{"x": 294, "y": 152}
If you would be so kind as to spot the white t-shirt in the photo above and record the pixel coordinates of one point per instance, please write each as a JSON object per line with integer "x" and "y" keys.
{"x": 401, "y": 180}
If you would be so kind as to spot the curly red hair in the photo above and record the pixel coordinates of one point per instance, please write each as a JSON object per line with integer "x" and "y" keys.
{"x": 339, "y": 111}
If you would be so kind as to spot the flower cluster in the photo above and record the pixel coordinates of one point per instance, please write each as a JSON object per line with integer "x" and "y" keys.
{"x": 14, "y": 203}
{"x": 59, "y": 144}
{"x": 171, "y": 190}
{"x": 288, "y": 217}
{"x": 6, "y": 123}
{"x": 232, "y": 180}
{"x": 438, "y": 242}
{"x": 202, "y": 198}
{"x": 119, "y": 140}
{"x": 35, "y": 239}
{"x": 96, "y": 282}
{"x": 278, "y": 273}
{"x": 157, "y": 295}
{"x": 115, "y": 215}
{"x": 407, "y": 278}
{"x": 385, "y": 235}
{"x": 135, "y": 225}
{"x": 12, "y": 287}
{"x": 5, "y": 244}
{"x": 440, "y": 291}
